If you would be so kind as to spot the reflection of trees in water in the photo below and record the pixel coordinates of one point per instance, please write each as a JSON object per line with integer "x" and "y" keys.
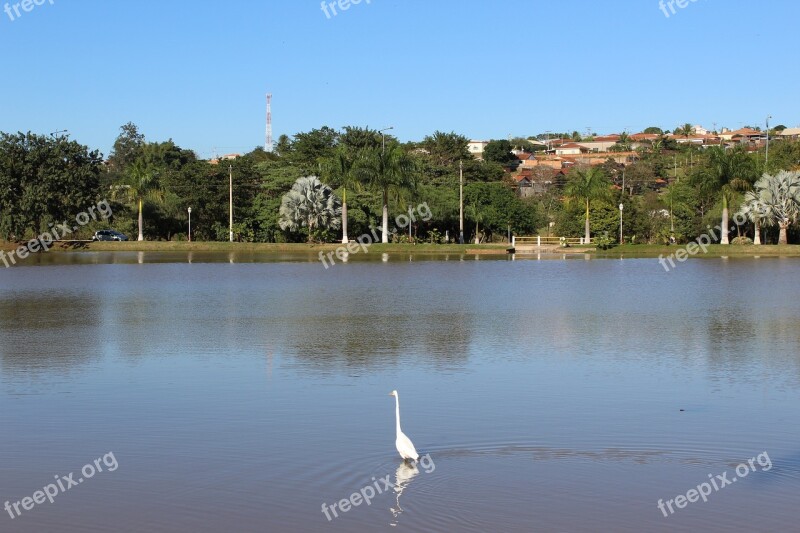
{"x": 367, "y": 341}
{"x": 45, "y": 333}
{"x": 739, "y": 343}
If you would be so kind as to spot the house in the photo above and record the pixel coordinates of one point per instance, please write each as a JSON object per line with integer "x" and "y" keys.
{"x": 227, "y": 157}
{"x": 790, "y": 133}
{"x": 600, "y": 143}
{"x": 648, "y": 137}
{"x": 691, "y": 139}
{"x": 741, "y": 134}
{"x": 526, "y": 159}
{"x": 524, "y": 184}
{"x": 476, "y": 148}
{"x": 571, "y": 149}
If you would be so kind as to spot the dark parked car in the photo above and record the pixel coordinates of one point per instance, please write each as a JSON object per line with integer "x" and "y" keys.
{"x": 109, "y": 235}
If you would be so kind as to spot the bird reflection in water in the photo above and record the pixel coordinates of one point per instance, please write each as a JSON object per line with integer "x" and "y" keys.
{"x": 403, "y": 476}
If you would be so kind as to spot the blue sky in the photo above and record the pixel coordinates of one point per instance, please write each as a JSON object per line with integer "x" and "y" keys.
{"x": 197, "y": 71}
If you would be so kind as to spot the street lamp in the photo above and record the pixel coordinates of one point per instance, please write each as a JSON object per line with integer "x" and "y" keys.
{"x": 383, "y": 137}
{"x": 766, "y": 159}
{"x": 621, "y": 207}
{"x": 190, "y": 224}
{"x": 460, "y": 202}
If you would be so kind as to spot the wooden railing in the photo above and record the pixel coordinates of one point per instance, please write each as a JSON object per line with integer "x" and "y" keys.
{"x": 538, "y": 240}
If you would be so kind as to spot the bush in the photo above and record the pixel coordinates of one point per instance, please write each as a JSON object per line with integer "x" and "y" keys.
{"x": 604, "y": 242}
{"x": 742, "y": 241}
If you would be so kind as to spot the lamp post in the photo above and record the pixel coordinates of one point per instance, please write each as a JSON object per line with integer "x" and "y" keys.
{"x": 621, "y": 207}
{"x": 460, "y": 202}
{"x": 383, "y": 137}
{"x": 230, "y": 200}
{"x": 766, "y": 159}
{"x": 190, "y": 224}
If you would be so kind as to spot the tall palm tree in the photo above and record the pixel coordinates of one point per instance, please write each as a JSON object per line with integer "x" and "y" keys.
{"x": 731, "y": 171}
{"x": 686, "y": 130}
{"x": 587, "y": 185}
{"x": 780, "y": 195}
{"x": 340, "y": 168}
{"x": 139, "y": 185}
{"x": 310, "y": 204}
{"x": 390, "y": 171}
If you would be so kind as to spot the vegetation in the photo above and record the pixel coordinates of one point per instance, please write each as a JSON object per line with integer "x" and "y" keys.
{"x": 312, "y": 205}
{"x": 671, "y": 192}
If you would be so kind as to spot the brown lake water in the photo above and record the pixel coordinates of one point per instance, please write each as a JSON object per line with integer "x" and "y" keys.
{"x": 241, "y": 393}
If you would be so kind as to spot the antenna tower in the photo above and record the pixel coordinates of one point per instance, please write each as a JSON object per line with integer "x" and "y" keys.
{"x": 268, "y": 143}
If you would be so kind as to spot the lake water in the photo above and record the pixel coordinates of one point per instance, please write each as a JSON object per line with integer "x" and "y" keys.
{"x": 239, "y": 394}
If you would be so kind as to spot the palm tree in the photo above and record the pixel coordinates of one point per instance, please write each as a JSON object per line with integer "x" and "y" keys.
{"x": 390, "y": 171}
{"x": 780, "y": 195}
{"x": 310, "y": 204}
{"x": 730, "y": 170}
{"x": 340, "y": 168}
{"x": 587, "y": 185}
{"x": 476, "y": 213}
{"x": 140, "y": 184}
{"x": 624, "y": 142}
{"x": 686, "y": 130}
{"x": 756, "y": 212}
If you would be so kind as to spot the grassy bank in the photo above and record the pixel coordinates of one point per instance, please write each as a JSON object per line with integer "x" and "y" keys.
{"x": 628, "y": 250}
{"x": 183, "y": 246}
{"x": 713, "y": 250}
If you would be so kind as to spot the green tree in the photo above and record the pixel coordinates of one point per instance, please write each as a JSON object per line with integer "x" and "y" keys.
{"x": 309, "y": 149}
{"x": 340, "y": 171}
{"x": 624, "y": 142}
{"x": 44, "y": 180}
{"x": 587, "y": 185}
{"x": 391, "y": 172}
{"x": 140, "y": 184}
{"x": 127, "y": 147}
{"x": 499, "y": 152}
{"x": 729, "y": 171}
{"x": 686, "y": 130}
{"x": 446, "y": 148}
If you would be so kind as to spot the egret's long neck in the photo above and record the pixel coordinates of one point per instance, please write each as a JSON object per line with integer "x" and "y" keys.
{"x": 397, "y": 411}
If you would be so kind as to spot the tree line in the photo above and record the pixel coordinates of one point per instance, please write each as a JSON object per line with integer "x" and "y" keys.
{"x": 357, "y": 179}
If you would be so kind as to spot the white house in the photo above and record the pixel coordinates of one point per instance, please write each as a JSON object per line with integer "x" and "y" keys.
{"x": 476, "y": 148}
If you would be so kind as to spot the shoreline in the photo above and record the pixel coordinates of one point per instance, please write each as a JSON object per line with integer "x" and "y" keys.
{"x": 632, "y": 251}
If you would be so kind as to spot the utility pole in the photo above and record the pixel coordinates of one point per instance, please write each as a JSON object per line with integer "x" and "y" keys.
{"x": 230, "y": 226}
{"x": 676, "y": 167}
{"x": 460, "y": 202}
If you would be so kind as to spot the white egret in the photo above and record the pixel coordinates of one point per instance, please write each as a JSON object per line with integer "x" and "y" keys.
{"x": 403, "y": 443}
